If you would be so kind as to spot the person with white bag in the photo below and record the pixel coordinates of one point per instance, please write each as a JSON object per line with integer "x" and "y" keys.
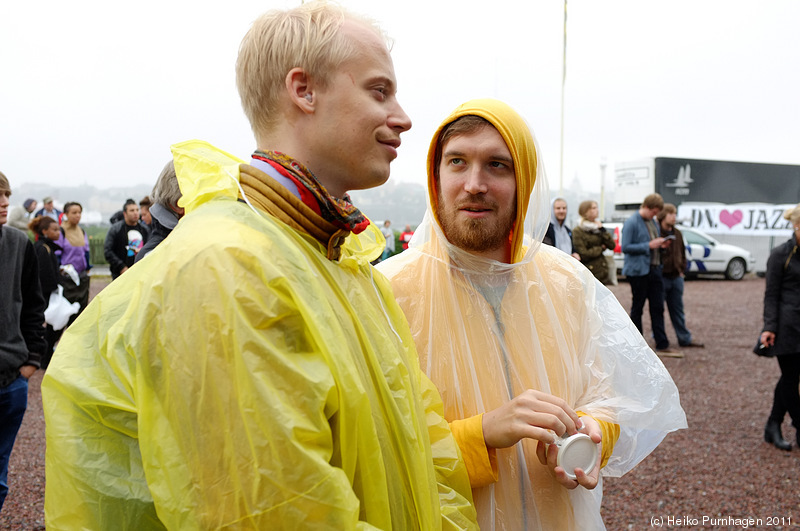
{"x": 58, "y": 309}
{"x": 74, "y": 257}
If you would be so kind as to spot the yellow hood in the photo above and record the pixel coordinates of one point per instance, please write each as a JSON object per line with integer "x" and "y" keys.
{"x": 518, "y": 138}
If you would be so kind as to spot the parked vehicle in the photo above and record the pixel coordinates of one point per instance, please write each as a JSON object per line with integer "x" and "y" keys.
{"x": 739, "y": 203}
{"x": 704, "y": 254}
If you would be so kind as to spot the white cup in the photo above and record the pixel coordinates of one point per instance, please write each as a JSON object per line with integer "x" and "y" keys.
{"x": 576, "y": 451}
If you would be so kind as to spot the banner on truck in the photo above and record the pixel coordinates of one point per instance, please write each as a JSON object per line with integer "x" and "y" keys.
{"x": 740, "y": 219}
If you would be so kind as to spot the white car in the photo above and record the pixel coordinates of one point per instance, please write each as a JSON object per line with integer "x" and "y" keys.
{"x": 704, "y": 254}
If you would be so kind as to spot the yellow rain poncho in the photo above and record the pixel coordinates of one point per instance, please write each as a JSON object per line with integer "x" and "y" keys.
{"x": 486, "y": 331}
{"x": 237, "y": 378}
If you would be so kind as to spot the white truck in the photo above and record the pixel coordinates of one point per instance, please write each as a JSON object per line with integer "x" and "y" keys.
{"x": 740, "y": 203}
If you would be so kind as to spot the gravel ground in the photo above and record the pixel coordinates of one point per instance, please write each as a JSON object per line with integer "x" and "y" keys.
{"x": 24, "y": 505}
{"x": 720, "y": 468}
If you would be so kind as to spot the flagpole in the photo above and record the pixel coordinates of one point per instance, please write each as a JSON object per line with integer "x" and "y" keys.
{"x": 563, "y": 83}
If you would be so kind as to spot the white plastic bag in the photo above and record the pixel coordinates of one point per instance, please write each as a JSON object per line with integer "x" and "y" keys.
{"x": 59, "y": 309}
{"x": 70, "y": 271}
{"x": 612, "y": 270}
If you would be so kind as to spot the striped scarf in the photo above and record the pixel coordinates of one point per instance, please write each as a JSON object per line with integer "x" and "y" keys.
{"x": 340, "y": 212}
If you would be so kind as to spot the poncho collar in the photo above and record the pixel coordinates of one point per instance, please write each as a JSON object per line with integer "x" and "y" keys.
{"x": 339, "y": 211}
{"x": 206, "y": 173}
{"x": 273, "y": 198}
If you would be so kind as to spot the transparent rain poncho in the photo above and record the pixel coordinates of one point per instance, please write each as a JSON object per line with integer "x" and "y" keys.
{"x": 236, "y": 378}
{"x": 486, "y": 331}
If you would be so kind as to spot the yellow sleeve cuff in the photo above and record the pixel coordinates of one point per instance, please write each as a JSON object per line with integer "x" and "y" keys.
{"x": 610, "y": 434}
{"x": 481, "y": 461}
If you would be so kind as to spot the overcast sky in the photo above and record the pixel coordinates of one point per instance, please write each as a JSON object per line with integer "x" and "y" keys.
{"x": 96, "y": 91}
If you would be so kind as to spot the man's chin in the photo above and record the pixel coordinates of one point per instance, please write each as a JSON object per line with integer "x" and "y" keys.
{"x": 474, "y": 235}
{"x": 467, "y": 235}
{"x": 374, "y": 180}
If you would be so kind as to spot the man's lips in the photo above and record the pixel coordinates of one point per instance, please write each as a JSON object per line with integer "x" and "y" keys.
{"x": 391, "y": 144}
{"x": 475, "y": 210}
{"x": 394, "y": 142}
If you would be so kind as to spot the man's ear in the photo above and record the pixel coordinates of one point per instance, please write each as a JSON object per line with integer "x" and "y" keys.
{"x": 300, "y": 89}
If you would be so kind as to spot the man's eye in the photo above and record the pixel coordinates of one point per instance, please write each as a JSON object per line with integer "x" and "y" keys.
{"x": 498, "y": 164}
{"x": 456, "y": 161}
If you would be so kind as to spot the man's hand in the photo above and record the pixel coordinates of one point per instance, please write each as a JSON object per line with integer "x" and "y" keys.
{"x": 767, "y": 338}
{"x": 123, "y": 270}
{"x": 548, "y": 455}
{"x": 26, "y": 371}
{"x": 657, "y": 243}
{"x": 532, "y": 415}
{"x": 576, "y": 256}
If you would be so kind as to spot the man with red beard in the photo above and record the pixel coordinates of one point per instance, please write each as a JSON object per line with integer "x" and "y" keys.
{"x": 523, "y": 343}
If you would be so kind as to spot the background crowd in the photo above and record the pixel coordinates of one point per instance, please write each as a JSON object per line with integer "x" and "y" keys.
{"x": 436, "y": 392}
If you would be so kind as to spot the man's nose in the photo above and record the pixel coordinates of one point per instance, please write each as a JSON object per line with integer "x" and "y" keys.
{"x": 399, "y": 120}
{"x": 475, "y": 182}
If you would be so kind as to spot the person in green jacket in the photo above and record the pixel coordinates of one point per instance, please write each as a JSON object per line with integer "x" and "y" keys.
{"x": 590, "y": 239}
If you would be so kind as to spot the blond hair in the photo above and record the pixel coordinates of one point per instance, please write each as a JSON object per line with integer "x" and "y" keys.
{"x": 793, "y": 214}
{"x": 307, "y": 37}
{"x": 166, "y": 192}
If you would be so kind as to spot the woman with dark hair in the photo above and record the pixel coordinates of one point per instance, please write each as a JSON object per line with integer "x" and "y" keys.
{"x": 75, "y": 251}
{"x": 782, "y": 331}
{"x": 46, "y": 230}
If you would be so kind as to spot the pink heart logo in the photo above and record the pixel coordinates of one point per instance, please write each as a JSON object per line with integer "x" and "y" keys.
{"x": 731, "y": 218}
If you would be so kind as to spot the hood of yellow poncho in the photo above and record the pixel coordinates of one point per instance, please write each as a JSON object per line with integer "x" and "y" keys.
{"x": 517, "y": 136}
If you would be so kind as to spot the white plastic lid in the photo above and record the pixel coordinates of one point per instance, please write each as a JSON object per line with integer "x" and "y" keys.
{"x": 577, "y": 451}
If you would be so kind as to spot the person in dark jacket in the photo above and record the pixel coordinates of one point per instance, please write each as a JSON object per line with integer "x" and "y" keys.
{"x": 144, "y": 213}
{"x": 673, "y": 260}
{"x": 558, "y": 234}
{"x": 21, "y": 332}
{"x": 782, "y": 331}
{"x": 124, "y": 240}
{"x": 48, "y": 209}
{"x": 47, "y": 232}
{"x": 164, "y": 209}
{"x": 641, "y": 245}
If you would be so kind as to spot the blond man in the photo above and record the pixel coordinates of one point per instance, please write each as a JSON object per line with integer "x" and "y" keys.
{"x": 253, "y": 372}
